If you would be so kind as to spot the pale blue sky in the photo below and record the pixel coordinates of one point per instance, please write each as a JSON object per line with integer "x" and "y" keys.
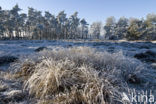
{"x": 91, "y": 10}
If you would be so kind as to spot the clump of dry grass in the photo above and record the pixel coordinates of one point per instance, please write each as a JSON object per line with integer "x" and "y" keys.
{"x": 114, "y": 64}
{"x": 79, "y": 75}
{"x": 63, "y": 82}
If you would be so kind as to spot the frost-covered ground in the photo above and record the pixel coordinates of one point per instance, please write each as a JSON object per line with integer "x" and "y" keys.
{"x": 21, "y": 47}
{"x": 115, "y": 51}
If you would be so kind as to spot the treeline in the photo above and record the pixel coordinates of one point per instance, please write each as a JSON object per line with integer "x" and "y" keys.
{"x": 35, "y": 25}
{"x": 131, "y": 29}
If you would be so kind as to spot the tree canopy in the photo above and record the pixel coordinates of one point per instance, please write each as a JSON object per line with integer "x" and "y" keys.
{"x": 35, "y": 25}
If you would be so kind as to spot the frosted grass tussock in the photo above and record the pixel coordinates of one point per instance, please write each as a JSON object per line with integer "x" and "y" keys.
{"x": 114, "y": 64}
{"x": 63, "y": 80}
{"x": 80, "y": 75}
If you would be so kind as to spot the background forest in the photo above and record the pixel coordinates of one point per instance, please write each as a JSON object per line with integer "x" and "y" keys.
{"x": 38, "y": 25}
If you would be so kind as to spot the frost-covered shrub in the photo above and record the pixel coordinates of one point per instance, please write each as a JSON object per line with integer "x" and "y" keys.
{"x": 80, "y": 75}
{"x": 114, "y": 64}
{"x": 63, "y": 82}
